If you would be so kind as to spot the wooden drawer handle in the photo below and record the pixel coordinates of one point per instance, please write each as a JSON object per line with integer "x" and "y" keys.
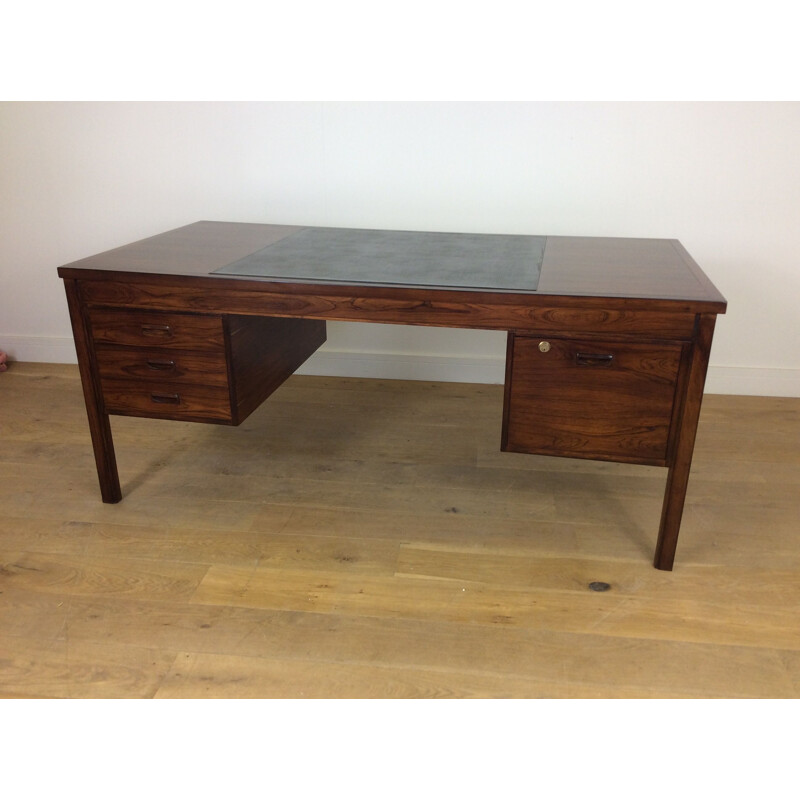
{"x": 171, "y": 399}
{"x": 593, "y": 359}
{"x": 156, "y": 330}
{"x": 160, "y": 366}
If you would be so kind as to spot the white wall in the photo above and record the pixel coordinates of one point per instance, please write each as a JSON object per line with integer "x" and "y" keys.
{"x": 724, "y": 178}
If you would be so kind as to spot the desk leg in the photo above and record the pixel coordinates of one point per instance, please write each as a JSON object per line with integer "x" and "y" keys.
{"x": 678, "y": 476}
{"x": 99, "y": 426}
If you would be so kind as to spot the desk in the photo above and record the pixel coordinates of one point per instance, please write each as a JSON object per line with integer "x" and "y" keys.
{"x": 608, "y": 339}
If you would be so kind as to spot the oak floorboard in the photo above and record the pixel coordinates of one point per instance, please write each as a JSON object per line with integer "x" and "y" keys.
{"x": 21, "y": 493}
{"x": 92, "y": 575}
{"x": 553, "y": 664}
{"x": 555, "y": 597}
{"x": 198, "y": 546}
{"x": 203, "y": 675}
{"x": 53, "y": 668}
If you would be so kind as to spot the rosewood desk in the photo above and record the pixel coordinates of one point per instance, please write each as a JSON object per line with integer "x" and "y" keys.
{"x": 608, "y": 339}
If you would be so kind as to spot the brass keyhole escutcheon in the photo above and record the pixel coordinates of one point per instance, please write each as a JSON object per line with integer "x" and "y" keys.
{"x": 544, "y": 347}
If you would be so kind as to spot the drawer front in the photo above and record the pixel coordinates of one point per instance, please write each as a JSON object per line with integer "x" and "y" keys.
{"x": 167, "y": 401}
{"x": 173, "y": 366}
{"x": 155, "y": 329}
{"x": 591, "y": 399}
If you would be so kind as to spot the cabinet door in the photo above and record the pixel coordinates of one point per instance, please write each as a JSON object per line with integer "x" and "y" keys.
{"x": 590, "y": 399}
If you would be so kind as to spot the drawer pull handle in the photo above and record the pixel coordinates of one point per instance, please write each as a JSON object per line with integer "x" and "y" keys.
{"x": 172, "y": 399}
{"x": 156, "y": 330}
{"x": 161, "y": 366}
{"x": 594, "y": 359}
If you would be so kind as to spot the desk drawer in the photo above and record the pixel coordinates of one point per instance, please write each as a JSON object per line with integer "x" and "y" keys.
{"x": 156, "y": 329}
{"x": 167, "y": 400}
{"x": 173, "y": 366}
{"x": 198, "y": 367}
{"x": 590, "y": 399}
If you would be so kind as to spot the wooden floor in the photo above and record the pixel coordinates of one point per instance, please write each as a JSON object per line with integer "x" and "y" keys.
{"x": 367, "y": 539}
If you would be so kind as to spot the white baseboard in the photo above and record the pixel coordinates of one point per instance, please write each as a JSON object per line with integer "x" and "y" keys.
{"x": 39, "y": 349}
{"x": 754, "y": 381}
{"x": 397, "y": 366}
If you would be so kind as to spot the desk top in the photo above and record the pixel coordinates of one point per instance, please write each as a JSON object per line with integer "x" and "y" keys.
{"x": 658, "y": 269}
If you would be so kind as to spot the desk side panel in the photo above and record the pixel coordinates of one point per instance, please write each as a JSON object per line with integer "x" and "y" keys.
{"x": 264, "y": 352}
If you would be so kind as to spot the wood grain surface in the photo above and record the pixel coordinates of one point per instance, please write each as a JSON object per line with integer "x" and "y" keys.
{"x": 359, "y": 538}
{"x": 591, "y": 399}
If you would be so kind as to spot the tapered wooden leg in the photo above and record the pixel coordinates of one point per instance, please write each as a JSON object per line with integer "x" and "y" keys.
{"x": 99, "y": 426}
{"x": 678, "y": 476}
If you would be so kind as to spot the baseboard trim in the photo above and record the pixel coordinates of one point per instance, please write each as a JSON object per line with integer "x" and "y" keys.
{"x": 39, "y": 349}
{"x": 760, "y": 381}
{"x": 451, "y": 368}
{"x": 400, "y": 366}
